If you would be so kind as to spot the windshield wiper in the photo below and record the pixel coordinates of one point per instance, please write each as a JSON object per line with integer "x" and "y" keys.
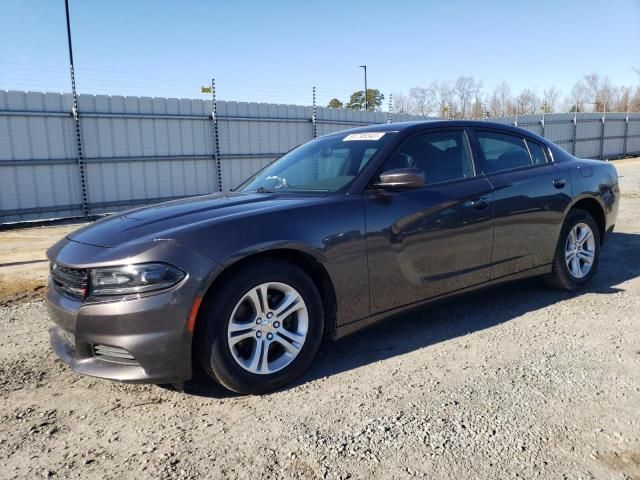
{"x": 263, "y": 190}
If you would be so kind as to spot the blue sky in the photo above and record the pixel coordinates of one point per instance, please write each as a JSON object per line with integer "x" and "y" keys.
{"x": 275, "y": 51}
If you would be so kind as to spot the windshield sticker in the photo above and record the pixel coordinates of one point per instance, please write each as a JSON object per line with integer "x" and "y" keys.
{"x": 363, "y": 136}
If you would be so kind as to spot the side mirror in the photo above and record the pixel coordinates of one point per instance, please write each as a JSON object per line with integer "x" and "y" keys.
{"x": 401, "y": 178}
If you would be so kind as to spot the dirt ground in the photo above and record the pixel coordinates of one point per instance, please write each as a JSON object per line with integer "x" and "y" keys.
{"x": 23, "y": 263}
{"x": 521, "y": 381}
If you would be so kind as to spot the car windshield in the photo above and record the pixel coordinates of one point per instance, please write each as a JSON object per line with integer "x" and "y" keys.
{"x": 325, "y": 165}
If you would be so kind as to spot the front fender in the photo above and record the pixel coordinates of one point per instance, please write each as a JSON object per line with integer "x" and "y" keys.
{"x": 265, "y": 247}
{"x": 332, "y": 232}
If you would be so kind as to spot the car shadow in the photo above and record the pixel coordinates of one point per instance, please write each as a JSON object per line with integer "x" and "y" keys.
{"x": 430, "y": 325}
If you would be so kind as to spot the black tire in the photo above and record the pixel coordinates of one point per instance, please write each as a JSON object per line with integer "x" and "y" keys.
{"x": 561, "y": 276}
{"x": 212, "y": 347}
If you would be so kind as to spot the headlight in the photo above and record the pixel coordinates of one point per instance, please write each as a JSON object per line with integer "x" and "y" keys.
{"x": 143, "y": 277}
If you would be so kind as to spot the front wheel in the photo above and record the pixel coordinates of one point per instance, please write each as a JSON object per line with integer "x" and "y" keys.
{"x": 577, "y": 252}
{"x": 263, "y": 328}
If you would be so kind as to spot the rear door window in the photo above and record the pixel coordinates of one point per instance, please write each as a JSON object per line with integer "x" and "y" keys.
{"x": 537, "y": 152}
{"x": 502, "y": 152}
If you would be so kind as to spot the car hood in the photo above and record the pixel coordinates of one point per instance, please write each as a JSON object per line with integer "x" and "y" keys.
{"x": 165, "y": 220}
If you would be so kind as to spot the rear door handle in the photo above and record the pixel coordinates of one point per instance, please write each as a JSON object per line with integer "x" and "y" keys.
{"x": 559, "y": 182}
{"x": 478, "y": 204}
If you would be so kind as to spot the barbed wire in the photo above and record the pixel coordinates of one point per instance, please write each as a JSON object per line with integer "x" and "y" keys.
{"x": 28, "y": 76}
{"x": 47, "y": 77}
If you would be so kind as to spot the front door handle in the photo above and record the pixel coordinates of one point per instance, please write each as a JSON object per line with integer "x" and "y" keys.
{"x": 479, "y": 204}
{"x": 559, "y": 182}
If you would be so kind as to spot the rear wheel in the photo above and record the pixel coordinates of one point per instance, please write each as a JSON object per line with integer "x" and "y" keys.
{"x": 577, "y": 252}
{"x": 263, "y": 329}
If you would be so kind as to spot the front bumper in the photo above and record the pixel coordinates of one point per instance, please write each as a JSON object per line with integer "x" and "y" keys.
{"x": 153, "y": 330}
{"x": 150, "y": 329}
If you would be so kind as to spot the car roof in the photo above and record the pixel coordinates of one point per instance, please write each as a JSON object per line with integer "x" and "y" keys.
{"x": 417, "y": 125}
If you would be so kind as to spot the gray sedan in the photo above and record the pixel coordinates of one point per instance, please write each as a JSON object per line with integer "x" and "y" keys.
{"x": 335, "y": 235}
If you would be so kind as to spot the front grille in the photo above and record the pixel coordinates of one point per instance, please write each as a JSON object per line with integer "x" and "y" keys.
{"x": 72, "y": 281}
{"x": 113, "y": 354}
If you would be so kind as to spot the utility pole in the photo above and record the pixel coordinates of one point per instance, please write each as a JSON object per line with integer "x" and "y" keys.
{"x": 366, "y": 104}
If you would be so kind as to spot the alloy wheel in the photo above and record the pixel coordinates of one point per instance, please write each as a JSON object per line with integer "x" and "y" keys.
{"x": 580, "y": 250}
{"x": 268, "y": 328}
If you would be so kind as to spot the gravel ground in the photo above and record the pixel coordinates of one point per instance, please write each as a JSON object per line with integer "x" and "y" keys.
{"x": 516, "y": 382}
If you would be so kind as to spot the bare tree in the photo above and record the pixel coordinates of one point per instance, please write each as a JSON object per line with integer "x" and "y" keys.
{"x": 503, "y": 92}
{"x": 401, "y": 103}
{"x": 578, "y": 97}
{"x": 621, "y": 100}
{"x": 465, "y": 89}
{"x": 464, "y": 98}
{"x": 600, "y": 89}
{"x": 422, "y": 100}
{"x": 477, "y": 107}
{"x": 592, "y": 83}
{"x": 444, "y": 98}
{"x": 550, "y": 96}
{"x": 634, "y": 101}
{"x": 608, "y": 93}
{"x": 495, "y": 107}
{"x": 527, "y": 102}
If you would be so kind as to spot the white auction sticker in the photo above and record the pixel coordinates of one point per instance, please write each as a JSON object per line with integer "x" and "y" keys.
{"x": 363, "y": 136}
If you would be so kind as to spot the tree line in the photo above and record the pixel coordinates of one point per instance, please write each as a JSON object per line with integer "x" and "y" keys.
{"x": 466, "y": 98}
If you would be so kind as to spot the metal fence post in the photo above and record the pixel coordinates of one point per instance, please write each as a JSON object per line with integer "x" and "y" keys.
{"x": 76, "y": 120}
{"x": 81, "y": 162}
{"x": 575, "y": 133}
{"x": 314, "y": 131}
{"x": 542, "y": 120}
{"x": 216, "y": 137}
{"x": 602, "y": 137}
{"x": 626, "y": 135}
{"x": 515, "y": 124}
{"x": 390, "y": 108}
